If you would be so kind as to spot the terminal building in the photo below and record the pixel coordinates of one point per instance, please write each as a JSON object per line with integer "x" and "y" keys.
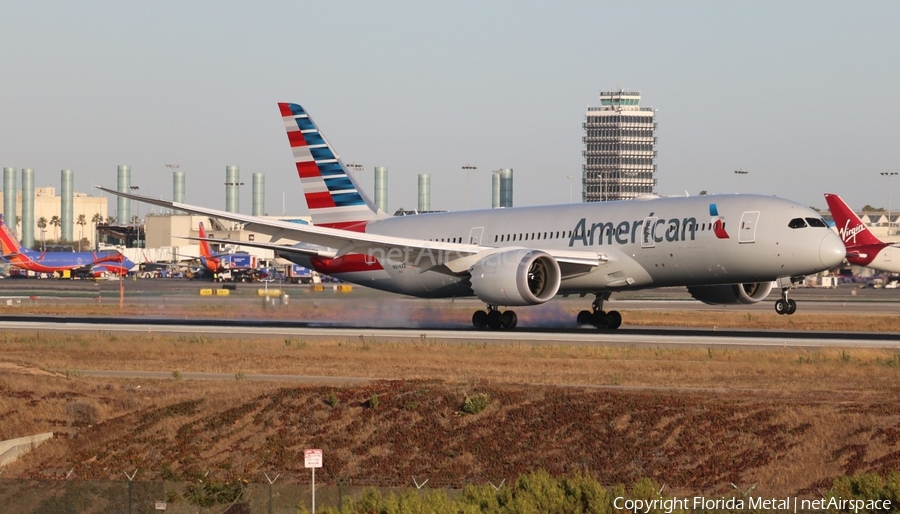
{"x": 87, "y": 212}
{"x": 619, "y": 148}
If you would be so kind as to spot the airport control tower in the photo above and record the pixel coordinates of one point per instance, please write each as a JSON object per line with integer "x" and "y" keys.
{"x": 619, "y": 148}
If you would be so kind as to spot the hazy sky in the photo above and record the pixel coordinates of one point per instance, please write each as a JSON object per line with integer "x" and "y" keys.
{"x": 803, "y": 95}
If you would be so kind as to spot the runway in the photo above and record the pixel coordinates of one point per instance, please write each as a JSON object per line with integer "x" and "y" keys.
{"x": 644, "y": 337}
{"x": 380, "y": 316}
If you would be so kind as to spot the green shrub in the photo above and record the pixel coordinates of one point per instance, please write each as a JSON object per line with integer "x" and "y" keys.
{"x": 475, "y": 403}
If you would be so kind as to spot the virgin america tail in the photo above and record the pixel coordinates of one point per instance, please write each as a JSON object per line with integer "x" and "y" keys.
{"x": 863, "y": 247}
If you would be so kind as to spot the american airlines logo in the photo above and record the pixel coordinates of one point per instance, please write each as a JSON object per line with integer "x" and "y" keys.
{"x": 849, "y": 232}
{"x": 652, "y": 229}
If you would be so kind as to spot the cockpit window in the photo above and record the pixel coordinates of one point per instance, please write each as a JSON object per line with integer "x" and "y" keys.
{"x": 797, "y": 223}
{"x": 816, "y": 222}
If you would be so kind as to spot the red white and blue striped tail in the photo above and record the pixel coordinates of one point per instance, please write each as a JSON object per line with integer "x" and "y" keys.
{"x": 332, "y": 195}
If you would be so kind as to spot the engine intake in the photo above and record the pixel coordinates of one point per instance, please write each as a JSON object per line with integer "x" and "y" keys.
{"x": 516, "y": 277}
{"x": 731, "y": 294}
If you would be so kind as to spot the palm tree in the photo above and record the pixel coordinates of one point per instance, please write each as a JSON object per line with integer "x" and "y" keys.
{"x": 95, "y": 220}
{"x": 81, "y": 222}
{"x": 56, "y": 222}
{"x": 110, "y": 220}
{"x": 42, "y": 224}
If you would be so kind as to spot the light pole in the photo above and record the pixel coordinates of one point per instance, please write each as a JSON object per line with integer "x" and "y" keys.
{"x": 136, "y": 217}
{"x": 740, "y": 173}
{"x": 889, "y": 174}
{"x": 135, "y": 190}
{"x": 468, "y": 169}
{"x": 570, "y": 187}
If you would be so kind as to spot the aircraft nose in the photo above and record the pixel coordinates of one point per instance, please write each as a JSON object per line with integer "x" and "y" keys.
{"x": 832, "y": 250}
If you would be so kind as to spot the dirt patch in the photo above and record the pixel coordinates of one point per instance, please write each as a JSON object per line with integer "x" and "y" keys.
{"x": 694, "y": 419}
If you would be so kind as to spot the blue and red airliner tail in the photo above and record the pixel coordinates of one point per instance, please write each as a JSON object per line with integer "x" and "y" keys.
{"x": 332, "y": 194}
{"x": 97, "y": 263}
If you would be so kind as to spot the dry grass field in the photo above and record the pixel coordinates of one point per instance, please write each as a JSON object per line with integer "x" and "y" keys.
{"x": 696, "y": 419}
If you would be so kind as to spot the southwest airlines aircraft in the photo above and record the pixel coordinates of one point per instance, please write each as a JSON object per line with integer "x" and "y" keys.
{"x": 213, "y": 263}
{"x": 725, "y": 249}
{"x": 97, "y": 263}
{"x": 863, "y": 248}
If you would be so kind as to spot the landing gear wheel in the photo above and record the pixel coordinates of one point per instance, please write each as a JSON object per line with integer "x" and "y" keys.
{"x": 584, "y": 318}
{"x": 494, "y": 319}
{"x": 791, "y": 307}
{"x": 508, "y": 320}
{"x": 480, "y": 319}
{"x": 600, "y": 319}
{"x": 613, "y": 320}
{"x": 781, "y": 306}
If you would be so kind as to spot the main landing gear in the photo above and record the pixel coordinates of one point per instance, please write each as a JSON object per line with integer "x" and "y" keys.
{"x": 597, "y": 317}
{"x": 494, "y": 319}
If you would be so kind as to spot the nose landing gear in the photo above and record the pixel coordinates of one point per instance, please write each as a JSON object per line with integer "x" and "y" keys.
{"x": 784, "y": 305}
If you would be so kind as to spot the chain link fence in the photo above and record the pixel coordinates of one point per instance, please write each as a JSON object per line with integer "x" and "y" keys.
{"x": 136, "y": 497}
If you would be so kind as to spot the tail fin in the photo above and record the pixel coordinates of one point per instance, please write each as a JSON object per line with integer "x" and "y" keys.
{"x": 210, "y": 261}
{"x": 852, "y": 230}
{"x": 204, "y": 244}
{"x": 332, "y": 195}
{"x": 8, "y": 242}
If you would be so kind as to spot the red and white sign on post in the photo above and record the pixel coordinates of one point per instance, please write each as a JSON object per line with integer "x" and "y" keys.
{"x": 313, "y": 459}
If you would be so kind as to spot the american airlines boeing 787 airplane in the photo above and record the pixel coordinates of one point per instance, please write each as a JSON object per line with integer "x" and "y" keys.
{"x": 725, "y": 249}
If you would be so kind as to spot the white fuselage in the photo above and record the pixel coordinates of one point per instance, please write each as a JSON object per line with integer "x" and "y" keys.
{"x": 682, "y": 241}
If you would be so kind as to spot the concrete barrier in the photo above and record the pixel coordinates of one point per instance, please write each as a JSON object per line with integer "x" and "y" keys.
{"x": 11, "y": 449}
{"x": 222, "y": 292}
{"x": 206, "y": 292}
{"x": 271, "y": 293}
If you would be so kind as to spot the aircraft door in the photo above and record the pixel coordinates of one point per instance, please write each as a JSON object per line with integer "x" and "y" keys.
{"x": 747, "y": 230}
{"x": 647, "y": 239}
{"x": 475, "y": 235}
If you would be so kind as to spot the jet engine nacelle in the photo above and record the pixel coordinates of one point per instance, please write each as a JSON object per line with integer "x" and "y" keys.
{"x": 731, "y": 294}
{"x": 516, "y": 277}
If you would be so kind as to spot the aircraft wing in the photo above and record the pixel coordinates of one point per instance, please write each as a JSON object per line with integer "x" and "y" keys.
{"x": 300, "y": 248}
{"x": 426, "y": 255}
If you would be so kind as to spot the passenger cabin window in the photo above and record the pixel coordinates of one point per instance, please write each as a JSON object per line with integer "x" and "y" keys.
{"x": 816, "y": 222}
{"x": 797, "y": 223}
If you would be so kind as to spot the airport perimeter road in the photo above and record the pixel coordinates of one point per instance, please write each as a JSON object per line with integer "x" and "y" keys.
{"x": 652, "y": 337}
